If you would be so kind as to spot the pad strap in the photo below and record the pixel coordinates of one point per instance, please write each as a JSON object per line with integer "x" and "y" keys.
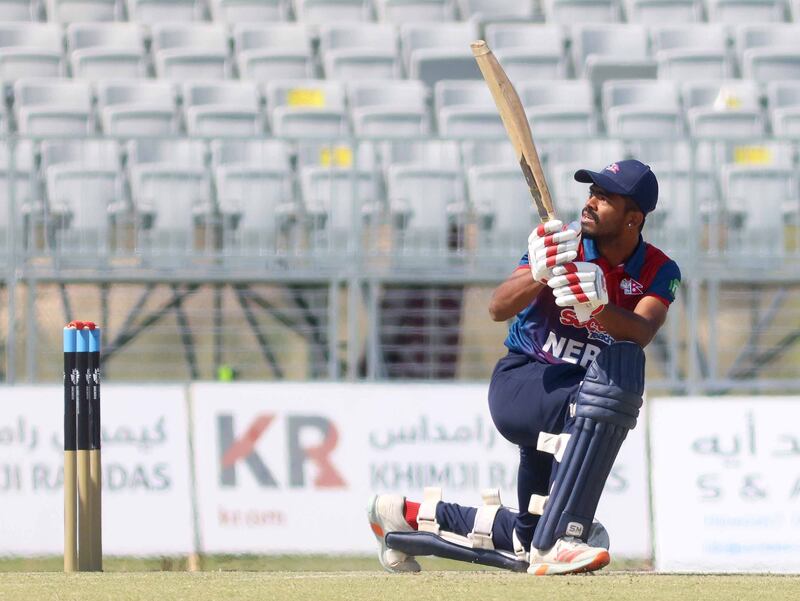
{"x": 481, "y": 535}
{"x": 426, "y": 518}
{"x": 555, "y": 444}
{"x": 536, "y": 505}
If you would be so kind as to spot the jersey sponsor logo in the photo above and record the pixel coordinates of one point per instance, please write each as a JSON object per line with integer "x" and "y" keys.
{"x": 631, "y": 287}
{"x": 674, "y": 285}
{"x": 596, "y": 331}
{"x": 569, "y": 350}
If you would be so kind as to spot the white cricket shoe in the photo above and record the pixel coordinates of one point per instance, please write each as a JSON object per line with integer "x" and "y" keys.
{"x": 569, "y": 555}
{"x": 386, "y": 514}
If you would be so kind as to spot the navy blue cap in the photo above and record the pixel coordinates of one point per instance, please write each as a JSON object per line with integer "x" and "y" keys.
{"x": 629, "y": 178}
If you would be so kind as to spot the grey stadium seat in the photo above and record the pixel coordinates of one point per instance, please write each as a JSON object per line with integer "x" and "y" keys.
{"x": 559, "y": 108}
{"x": 783, "y": 100}
{"x": 171, "y": 191}
{"x": 497, "y": 10}
{"x": 658, "y": 12}
{"x": 307, "y": 108}
{"x": 769, "y": 52}
{"x": 434, "y": 51}
{"x": 603, "y": 52}
{"x": 222, "y": 109}
{"x": 389, "y": 108}
{"x": 415, "y": 11}
{"x": 27, "y": 209}
{"x": 317, "y": 12}
{"x": 164, "y": 11}
{"x": 102, "y": 50}
{"x": 746, "y": 11}
{"x": 486, "y": 153}
{"x": 642, "y": 108}
{"x": 248, "y": 11}
{"x": 84, "y": 193}
{"x": 425, "y": 203}
{"x": 503, "y": 203}
{"x": 723, "y": 109}
{"x": 692, "y": 51}
{"x": 359, "y": 51}
{"x": 18, "y": 10}
{"x": 255, "y": 194}
{"x": 30, "y": 50}
{"x": 568, "y": 12}
{"x": 266, "y": 51}
{"x": 130, "y": 107}
{"x": 53, "y": 107}
{"x": 335, "y": 201}
{"x": 529, "y": 51}
{"x": 465, "y": 109}
{"x": 762, "y": 222}
{"x": 83, "y": 11}
{"x": 184, "y": 51}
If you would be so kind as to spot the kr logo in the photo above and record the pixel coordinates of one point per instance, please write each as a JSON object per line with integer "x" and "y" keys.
{"x": 242, "y": 448}
{"x": 631, "y": 287}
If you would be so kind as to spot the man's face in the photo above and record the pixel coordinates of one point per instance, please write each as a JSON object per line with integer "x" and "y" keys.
{"x": 605, "y": 215}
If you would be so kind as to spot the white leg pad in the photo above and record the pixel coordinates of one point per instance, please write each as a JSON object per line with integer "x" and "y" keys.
{"x": 555, "y": 444}
{"x": 536, "y": 506}
{"x": 481, "y": 535}
{"x": 426, "y": 518}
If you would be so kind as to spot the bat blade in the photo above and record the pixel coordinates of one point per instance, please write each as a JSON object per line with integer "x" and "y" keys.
{"x": 516, "y": 124}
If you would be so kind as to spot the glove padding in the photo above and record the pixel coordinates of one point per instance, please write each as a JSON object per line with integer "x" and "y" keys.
{"x": 551, "y": 244}
{"x": 580, "y": 285}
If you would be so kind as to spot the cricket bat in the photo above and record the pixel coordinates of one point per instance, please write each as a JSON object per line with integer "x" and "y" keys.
{"x": 518, "y": 129}
{"x": 516, "y": 123}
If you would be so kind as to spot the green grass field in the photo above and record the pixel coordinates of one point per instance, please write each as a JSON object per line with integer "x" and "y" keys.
{"x": 312, "y": 578}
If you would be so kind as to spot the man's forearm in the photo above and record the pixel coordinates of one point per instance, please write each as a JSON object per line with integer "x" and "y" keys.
{"x": 513, "y": 295}
{"x": 622, "y": 324}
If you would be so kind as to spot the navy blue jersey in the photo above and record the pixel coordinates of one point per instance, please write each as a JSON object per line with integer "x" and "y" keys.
{"x": 548, "y": 333}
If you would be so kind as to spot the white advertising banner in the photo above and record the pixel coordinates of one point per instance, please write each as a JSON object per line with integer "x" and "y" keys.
{"x": 290, "y": 467}
{"x": 726, "y": 484}
{"x": 146, "y": 486}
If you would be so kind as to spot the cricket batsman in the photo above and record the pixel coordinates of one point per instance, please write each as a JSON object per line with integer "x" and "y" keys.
{"x": 567, "y": 392}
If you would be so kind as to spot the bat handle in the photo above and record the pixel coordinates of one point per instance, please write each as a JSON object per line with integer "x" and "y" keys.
{"x": 583, "y": 313}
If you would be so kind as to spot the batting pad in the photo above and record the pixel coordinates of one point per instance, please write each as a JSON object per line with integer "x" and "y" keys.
{"x": 606, "y": 409}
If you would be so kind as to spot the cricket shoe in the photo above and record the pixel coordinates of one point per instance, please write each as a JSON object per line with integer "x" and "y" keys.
{"x": 569, "y": 555}
{"x": 386, "y": 514}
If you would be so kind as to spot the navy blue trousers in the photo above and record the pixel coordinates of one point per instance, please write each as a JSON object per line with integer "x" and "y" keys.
{"x": 525, "y": 398}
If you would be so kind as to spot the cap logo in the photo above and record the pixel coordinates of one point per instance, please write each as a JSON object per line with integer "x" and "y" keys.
{"x": 613, "y": 168}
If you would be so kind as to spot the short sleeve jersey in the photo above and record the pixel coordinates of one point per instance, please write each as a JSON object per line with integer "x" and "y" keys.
{"x": 548, "y": 333}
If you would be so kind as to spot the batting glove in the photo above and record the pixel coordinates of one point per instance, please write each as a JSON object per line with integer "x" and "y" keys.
{"x": 551, "y": 244}
{"x": 580, "y": 285}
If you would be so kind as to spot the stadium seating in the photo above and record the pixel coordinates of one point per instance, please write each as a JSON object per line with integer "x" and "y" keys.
{"x": 657, "y": 12}
{"x": 310, "y": 108}
{"x": 248, "y": 11}
{"x": 353, "y": 51}
{"x": 688, "y": 52}
{"x": 266, "y": 51}
{"x": 723, "y": 109}
{"x": 184, "y": 51}
{"x": 164, "y": 11}
{"x": 83, "y": 11}
{"x": 388, "y": 109}
{"x": 435, "y": 51}
{"x": 746, "y": 11}
{"x": 642, "y": 109}
{"x": 497, "y": 10}
{"x": 137, "y": 108}
{"x": 53, "y": 107}
{"x": 413, "y": 11}
{"x": 30, "y": 50}
{"x": 103, "y": 50}
{"x": 769, "y": 52}
{"x": 215, "y": 108}
{"x": 18, "y": 10}
{"x": 318, "y": 12}
{"x": 17, "y": 167}
{"x": 784, "y": 106}
{"x": 465, "y": 109}
{"x": 582, "y": 11}
{"x": 559, "y": 108}
{"x": 616, "y": 51}
{"x": 529, "y": 51}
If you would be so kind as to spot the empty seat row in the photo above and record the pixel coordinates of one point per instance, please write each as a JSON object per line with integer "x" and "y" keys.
{"x": 427, "y": 52}
{"x": 319, "y": 11}
{"x": 326, "y": 109}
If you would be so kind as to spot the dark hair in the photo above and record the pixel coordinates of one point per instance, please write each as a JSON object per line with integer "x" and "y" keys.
{"x": 630, "y": 205}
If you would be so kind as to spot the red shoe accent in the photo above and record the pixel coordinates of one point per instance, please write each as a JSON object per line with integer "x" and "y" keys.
{"x": 411, "y": 512}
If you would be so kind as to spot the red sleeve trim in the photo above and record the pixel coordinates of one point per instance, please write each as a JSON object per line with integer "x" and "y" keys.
{"x": 528, "y": 267}
{"x": 666, "y": 302}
